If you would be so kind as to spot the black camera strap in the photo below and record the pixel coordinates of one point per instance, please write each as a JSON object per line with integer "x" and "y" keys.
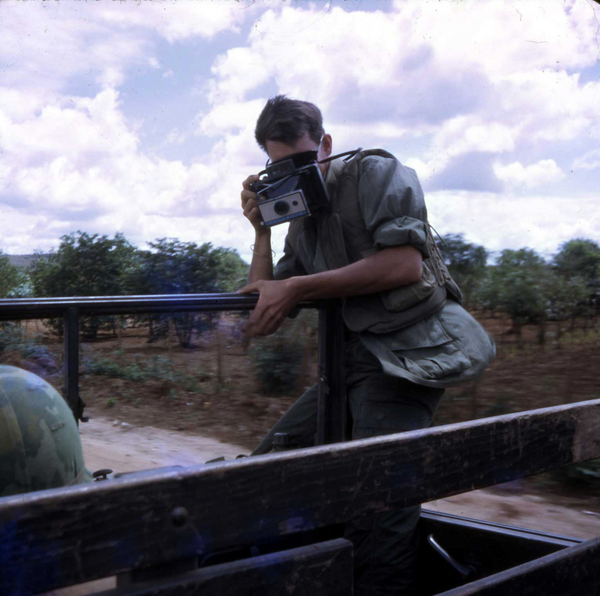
{"x": 350, "y": 155}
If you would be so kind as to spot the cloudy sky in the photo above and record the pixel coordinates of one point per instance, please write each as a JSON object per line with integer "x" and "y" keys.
{"x": 138, "y": 116}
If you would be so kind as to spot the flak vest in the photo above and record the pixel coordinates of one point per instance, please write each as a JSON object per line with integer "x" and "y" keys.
{"x": 339, "y": 237}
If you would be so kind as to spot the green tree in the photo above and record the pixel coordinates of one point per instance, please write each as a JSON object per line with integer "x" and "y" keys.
{"x": 85, "y": 265}
{"x": 517, "y": 284}
{"x": 14, "y": 283}
{"x": 579, "y": 259}
{"x": 175, "y": 267}
{"x": 466, "y": 263}
{"x": 564, "y": 298}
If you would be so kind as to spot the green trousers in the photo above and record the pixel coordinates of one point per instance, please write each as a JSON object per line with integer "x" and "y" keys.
{"x": 385, "y": 544}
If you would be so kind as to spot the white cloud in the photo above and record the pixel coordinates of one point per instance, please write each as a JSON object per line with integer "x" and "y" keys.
{"x": 79, "y": 127}
{"x": 47, "y": 44}
{"x": 516, "y": 174}
{"x": 588, "y": 161}
{"x": 81, "y": 157}
{"x": 176, "y": 137}
{"x": 228, "y": 117}
{"x": 175, "y": 20}
{"x": 444, "y": 67}
{"x": 514, "y": 221}
{"x": 551, "y": 105}
{"x": 111, "y": 77}
{"x": 504, "y": 36}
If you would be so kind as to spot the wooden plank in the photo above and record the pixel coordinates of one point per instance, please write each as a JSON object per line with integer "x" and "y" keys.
{"x": 323, "y": 569}
{"x": 574, "y": 571}
{"x": 72, "y": 535}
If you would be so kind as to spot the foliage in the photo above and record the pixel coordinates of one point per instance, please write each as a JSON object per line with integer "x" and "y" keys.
{"x": 516, "y": 286}
{"x": 278, "y": 360}
{"x": 579, "y": 257}
{"x": 466, "y": 263}
{"x": 579, "y": 260}
{"x": 158, "y": 368}
{"x": 564, "y": 298}
{"x": 175, "y": 267}
{"x": 93, "y": 265}
{"x": 84, "y": 265}
{"x": 14, "y": 283}
{"x": 13, "y": 337}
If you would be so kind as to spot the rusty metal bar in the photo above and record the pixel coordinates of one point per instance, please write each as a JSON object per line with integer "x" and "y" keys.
{"x": 332, "y": 415}
{"x": 71, "y": 363}
{"x": 34, "y": 308}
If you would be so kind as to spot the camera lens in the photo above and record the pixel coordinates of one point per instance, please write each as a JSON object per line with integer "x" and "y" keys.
{"x": 281, "y": 207}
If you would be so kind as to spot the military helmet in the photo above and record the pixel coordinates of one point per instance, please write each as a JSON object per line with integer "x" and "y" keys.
{"x": 39, "y": 440}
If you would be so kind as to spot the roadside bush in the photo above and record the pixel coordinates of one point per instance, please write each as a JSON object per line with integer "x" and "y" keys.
{"x": 13, "y": 337}
{"x": 277, "y": 361}
{"x": 156, "y": 368}
{"x": 280, "y": 361}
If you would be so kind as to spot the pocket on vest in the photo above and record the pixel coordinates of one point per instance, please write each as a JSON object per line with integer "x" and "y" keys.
{"x": 438, "y": 362}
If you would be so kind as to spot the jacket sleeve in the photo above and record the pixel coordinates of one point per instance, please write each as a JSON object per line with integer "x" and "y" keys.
{"x": 289, "y": 264}
{"x": 392, "y": 204}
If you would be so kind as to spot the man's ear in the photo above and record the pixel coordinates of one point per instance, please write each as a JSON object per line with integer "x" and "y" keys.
{"x": 326, "y": 146}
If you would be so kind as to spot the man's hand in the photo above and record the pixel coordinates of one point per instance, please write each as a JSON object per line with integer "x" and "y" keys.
{"x": 276, "y": 300}
{"x": 250, "y": 206}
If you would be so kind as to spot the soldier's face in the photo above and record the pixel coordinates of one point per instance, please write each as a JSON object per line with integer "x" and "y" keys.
{"x": 277, "y": 150}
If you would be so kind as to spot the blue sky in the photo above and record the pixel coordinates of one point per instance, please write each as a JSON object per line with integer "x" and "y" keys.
{"x": 138, "y": 116}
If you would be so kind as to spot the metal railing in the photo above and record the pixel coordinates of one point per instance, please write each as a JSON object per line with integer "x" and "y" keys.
{"x": 331, "y": 415}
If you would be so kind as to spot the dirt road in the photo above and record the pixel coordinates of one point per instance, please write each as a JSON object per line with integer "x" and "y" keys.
{"x": 123, "y": 447}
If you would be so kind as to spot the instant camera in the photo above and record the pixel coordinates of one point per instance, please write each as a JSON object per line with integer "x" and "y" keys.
{"x": 290, "y": 187}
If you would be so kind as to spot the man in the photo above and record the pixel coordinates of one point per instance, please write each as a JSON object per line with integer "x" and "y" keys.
{"x": 407, "y": 337}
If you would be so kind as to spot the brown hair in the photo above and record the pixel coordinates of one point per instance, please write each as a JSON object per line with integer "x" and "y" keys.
{"x": 286, "y": 120}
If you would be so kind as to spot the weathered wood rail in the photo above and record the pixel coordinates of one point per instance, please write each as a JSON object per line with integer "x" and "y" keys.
{"x": 66, "y": 536}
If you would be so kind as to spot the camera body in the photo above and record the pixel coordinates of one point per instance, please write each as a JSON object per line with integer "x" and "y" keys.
{"x": 289, "y": 188}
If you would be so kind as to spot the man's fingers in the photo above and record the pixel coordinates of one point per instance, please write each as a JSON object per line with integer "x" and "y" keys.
{"x": 246, "y": 183}
{"x": 249, "y": 206}
{"x": 248, "y": 289}
{"x": 247, "y": 195}
{"x": 263, "y": 323}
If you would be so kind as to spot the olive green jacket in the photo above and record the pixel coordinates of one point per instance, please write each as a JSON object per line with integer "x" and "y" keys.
{"x": 418, "y": 332}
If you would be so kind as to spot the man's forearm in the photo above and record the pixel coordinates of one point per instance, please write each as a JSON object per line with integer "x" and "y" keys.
{"x": 261, "y": 266}
{"x": 387, "y": 269}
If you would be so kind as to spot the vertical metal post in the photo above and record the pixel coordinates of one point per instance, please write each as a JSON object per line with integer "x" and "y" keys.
{"x": 332, "y": 410}
{"x": 71, "y": 363}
